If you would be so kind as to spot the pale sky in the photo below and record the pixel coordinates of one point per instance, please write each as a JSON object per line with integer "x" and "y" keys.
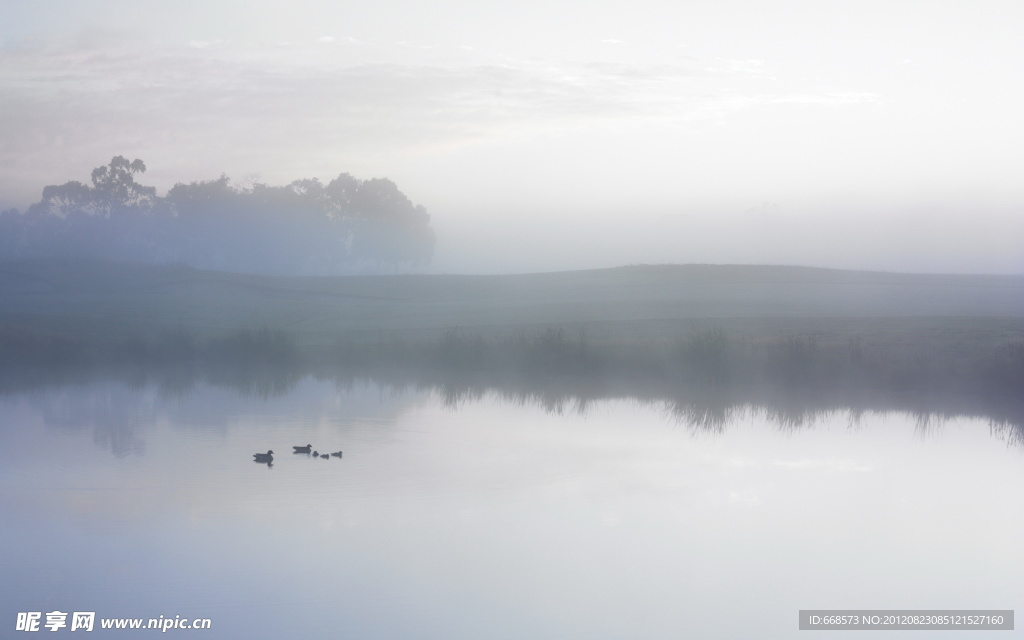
{"x": 560, "y": 134}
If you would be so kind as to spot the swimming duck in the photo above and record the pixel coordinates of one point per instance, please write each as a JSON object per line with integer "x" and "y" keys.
{"x": 336, "y": 454}
{"x": 316, "y": 454}
{"x": 264, "y": 457}
{"x": 305, "y": 449}
{"x": 324, "y": 456}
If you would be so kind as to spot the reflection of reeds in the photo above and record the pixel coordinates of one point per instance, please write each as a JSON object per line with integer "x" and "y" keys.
{"x": 704, "y": 376}
{"x": 261, "y": 362}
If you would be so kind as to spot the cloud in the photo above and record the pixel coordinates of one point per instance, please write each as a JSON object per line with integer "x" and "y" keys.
{"x": 204, "y": 44}
{"x": 750, "y": 66}
{"x": 826, "y": 99}
{"x": 271, "y": 105}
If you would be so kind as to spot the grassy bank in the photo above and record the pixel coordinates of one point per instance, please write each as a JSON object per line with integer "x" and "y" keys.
{"x": 101, "y": 303}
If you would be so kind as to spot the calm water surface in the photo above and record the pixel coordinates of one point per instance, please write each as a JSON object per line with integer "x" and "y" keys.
{"x": 491, "y": 519}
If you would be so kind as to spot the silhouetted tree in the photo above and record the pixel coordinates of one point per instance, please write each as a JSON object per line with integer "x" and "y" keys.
{"x": 388, "y": 228}
{"x": 114, "y": 185}
{"x": 303, "y": 227}
{"x": 63, "y": 200}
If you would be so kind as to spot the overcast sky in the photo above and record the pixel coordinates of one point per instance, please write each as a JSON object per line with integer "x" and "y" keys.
{"x": 558, "y": 134}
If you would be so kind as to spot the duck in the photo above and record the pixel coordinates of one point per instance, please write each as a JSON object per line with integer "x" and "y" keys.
{"x": 316, "y": 454}
{"x": 336, "y": 454}
{"x": 305, "y": 449}
{"x": 264, "y": 457}
{"x": 324, "y": 456}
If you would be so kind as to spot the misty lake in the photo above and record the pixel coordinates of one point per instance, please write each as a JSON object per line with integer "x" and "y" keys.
{"x": 492, "y": 518}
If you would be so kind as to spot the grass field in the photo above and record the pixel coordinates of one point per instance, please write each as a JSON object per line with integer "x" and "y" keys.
{"x": 104, "y": 302}
{"x": 827, "y": 337}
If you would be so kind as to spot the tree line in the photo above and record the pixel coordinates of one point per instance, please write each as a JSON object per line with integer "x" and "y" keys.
{"x": 304, "y": 228}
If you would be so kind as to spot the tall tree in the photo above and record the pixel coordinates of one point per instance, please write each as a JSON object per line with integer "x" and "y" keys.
{"x": 114, "y": 185}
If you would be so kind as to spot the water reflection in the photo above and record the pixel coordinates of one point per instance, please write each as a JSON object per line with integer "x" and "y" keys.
{"x": 112, "y": 413}
{"x": 111, "y": 405}
{"x": 459, "y": 513}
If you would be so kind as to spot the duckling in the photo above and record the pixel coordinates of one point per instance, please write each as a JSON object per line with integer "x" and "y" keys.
{"x": 305, "y": 449}
{"x": 316, "y": 454}
{"x": 336, "y": 454}
{"x": 264, "y": 457}
{"x": 324, "y": 456}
